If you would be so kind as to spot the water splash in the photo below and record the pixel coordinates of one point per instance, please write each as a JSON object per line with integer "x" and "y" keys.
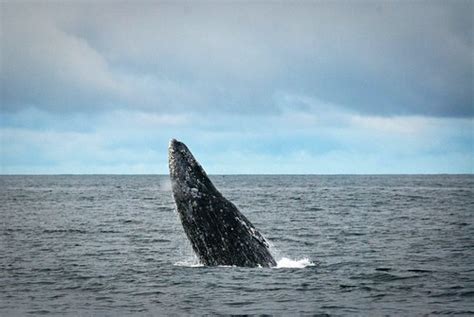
{"x": 164, "y": 184}
{"x": 297, "y": 264}
{"x": 189, "y": 263}
{"x": 282, "y": 263}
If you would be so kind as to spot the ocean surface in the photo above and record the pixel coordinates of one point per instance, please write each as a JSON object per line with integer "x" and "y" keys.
{"x": 345, "y": 245}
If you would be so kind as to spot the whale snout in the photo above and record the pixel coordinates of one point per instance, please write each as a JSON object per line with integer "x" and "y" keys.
{"x": 181, "y": 161}
{"x": 175, "y": 145}
{"x": 185, "y": 172}
{"x": 177, "y": 151}
{"x": 175, "y": 155}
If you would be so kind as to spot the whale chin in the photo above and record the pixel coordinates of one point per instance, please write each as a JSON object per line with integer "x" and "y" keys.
{"x": 219, "y": 233}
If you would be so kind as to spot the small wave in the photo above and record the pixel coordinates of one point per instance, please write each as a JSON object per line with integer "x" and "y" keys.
{"x": 297, "y": 264}
{"x": 64, "y": 231}
{"x": 419, "y": 271}
{"x": 39, "y": 312}
{"x": 383, "y": 269}
{"x": 467, "y": 294}
{"x": 383, "y": 277}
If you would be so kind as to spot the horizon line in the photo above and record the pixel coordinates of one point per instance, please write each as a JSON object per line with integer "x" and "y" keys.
{"x": 239, "y": 174}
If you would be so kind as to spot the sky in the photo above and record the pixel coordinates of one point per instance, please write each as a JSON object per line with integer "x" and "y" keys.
{"x": 323, "y": 87}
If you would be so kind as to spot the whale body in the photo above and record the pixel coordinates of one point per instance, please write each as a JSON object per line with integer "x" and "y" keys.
{"x": 219, "y": 233}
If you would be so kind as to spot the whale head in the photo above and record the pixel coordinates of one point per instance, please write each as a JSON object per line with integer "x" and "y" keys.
{"x": 188, "y": 178}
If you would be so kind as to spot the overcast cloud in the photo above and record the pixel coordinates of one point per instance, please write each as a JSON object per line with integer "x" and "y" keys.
{"x": 301, "y": 87}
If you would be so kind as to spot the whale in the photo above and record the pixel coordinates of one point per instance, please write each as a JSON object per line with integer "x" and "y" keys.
{"x": 219, "y": 233}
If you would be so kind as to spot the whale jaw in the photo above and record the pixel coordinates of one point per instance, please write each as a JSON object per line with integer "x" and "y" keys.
{"x": 218, "y": 232}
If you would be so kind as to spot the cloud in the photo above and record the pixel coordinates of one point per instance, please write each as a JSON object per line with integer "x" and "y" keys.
{"x": 384, "y": 59}
{"x": 300, "y": 87}
{"x": 333, "y": 142}
{"x": 45, "y": 67}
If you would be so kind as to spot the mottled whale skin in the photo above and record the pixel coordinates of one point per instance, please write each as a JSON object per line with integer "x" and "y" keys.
{"x": 219, "y": 233}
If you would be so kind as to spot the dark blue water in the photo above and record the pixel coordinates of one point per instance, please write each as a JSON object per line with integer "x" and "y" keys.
{"x": 108, "y": 245}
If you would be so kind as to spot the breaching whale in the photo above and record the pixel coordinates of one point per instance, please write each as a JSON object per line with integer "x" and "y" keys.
{"x": 219, "y": 233}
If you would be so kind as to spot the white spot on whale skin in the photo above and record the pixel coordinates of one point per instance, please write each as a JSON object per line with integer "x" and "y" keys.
{"x": 195, "y": 192}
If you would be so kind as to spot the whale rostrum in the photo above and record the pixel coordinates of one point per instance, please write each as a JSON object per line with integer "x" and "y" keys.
{"x": 219, "y": 233}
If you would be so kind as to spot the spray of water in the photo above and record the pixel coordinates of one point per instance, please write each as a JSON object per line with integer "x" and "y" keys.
{"x": 284, "y": 262}
{"x": 165, "y": 184}
{"x": 297, "y": 264}
{"x": 281, "y": 263}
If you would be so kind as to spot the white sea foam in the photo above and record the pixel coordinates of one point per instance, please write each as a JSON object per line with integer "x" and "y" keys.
{"x": 282, "y": 263}
{"x": 189, "y": 263}
{"x": 297, "y": 264}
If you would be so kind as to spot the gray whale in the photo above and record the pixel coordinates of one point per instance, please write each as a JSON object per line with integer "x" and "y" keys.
{"x": 218, "y": 232}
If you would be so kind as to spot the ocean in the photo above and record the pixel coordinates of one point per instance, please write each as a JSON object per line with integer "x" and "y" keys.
{"x": 346, "y": 245}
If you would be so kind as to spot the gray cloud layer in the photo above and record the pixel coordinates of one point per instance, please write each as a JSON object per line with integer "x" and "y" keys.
{"x": 391, "y": 58}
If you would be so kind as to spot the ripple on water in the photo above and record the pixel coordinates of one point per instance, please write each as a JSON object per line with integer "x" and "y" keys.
{"x": 347, "y": 245}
